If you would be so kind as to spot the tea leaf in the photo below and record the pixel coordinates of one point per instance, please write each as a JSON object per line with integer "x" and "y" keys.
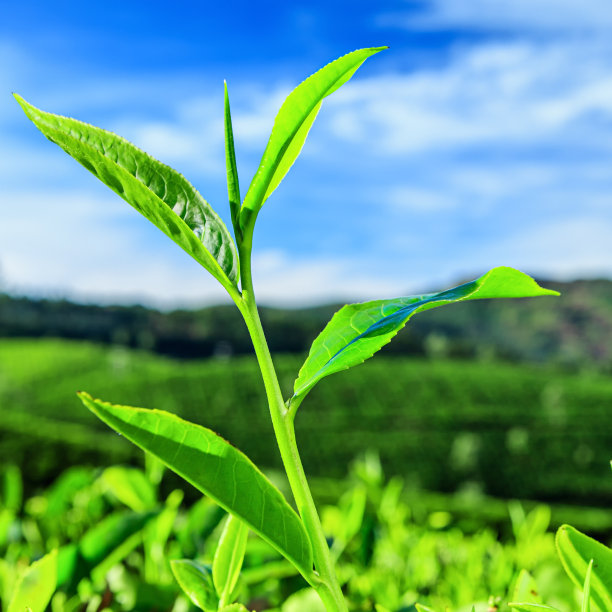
{"x": 229, "y": 557}
{"x": 233, "y": 186}
{"x": 110, "y": 533}
{"x": 357, "y": 331}
{"x": 291, "y": 126}
{"x": 130, "y": 486}
{"x": 216, "y": 468}
{"x": 526, "y": 589}
{"x": 35, "y": 587}
{"x": 155, "y": 190}
{"x": 576, "y": 551}
{"x": 196, "y": 581}
{"x": 586, "y": 591}
{"x": 532, "y": 607}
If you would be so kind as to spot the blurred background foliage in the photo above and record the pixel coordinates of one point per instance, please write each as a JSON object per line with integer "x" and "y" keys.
{"x": 506, "y": 398}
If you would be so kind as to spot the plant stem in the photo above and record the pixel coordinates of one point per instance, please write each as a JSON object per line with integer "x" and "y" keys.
{"x": 326, "y": 583}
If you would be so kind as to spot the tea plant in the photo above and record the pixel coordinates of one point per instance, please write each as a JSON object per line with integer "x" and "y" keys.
{"x": 355, "y": 333}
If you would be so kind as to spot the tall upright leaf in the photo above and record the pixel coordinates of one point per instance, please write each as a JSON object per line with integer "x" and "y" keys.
{"x": 357, "y": 331}
{"x": 233, "y": 187}
{"x": 292, "y": 124}
{"x": 229, "y": 557}
{"x": 155, "y": 190}
{"x": 216, "y": 468}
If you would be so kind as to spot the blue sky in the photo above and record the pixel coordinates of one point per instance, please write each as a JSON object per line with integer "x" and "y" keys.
{"x": 482, "y": 137}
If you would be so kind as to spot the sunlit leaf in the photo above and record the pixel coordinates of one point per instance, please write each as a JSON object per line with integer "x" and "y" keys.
{"x": 525, "y": 589}
{"x": 35, "y": 587}
{"x": 531, "y": 607}
{"x": 130, "y": 486}
{"x": 586, "y": 591}
{"x": 216, "y": 468}
{"x": 229, "y": 556}
{"x": 196, "y": 581}
{"x": 292, "y": 124}
{"x": 155, "y": 190}
{"x": 233, "y": 186}
{"x": 357, "y": 331}
{"x": 576, "y": 551}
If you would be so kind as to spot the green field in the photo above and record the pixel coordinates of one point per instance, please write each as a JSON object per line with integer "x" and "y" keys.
{"x": 512, "y": 430}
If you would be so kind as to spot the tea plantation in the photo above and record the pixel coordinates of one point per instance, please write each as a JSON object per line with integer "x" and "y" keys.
{"x": 509, "y": 430}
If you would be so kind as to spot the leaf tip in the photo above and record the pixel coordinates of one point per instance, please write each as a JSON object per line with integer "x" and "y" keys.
{"x": 20, "y": 100}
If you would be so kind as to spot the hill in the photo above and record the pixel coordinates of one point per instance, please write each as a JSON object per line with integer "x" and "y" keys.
{"x": 574, "y": 330}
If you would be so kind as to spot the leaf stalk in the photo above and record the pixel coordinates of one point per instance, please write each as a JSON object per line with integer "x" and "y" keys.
{"x": 323, "y": 580}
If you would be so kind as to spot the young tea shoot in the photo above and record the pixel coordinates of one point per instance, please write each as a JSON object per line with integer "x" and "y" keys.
{"x": 355, "y": 333}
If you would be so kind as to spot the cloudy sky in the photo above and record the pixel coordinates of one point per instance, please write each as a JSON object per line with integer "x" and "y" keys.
{"x": 482, "y": 137}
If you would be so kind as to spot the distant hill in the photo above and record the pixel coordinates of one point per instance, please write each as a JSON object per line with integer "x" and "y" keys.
{"x": 573, "y": 330}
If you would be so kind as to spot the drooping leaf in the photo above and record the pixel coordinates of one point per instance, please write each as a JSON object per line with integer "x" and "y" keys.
{"x": 229, "y": 556}
{"x": 216, "y": 468}
{"x": 196, "y": 581}
{"x": 155, "y": 190}
{"x": 357, "y": 331}
{"x": 233, "y": 186}
{"x": 292, "y": 124}
{"x": 576, "y": 551}
{"x": 35, "y": 587}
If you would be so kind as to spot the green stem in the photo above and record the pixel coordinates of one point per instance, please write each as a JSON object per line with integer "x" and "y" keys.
{"x": 326, "y": 583}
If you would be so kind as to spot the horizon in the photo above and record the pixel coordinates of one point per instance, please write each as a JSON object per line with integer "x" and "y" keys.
{"x": 480, "y": 138}
{"x": 166, "y": 308}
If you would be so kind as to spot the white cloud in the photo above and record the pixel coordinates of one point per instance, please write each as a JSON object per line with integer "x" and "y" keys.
{"x": 539, "y": 15}
{"x": 290, "y": 281}
{"x": 564, "y": 249}
{"x": 419, "y": 200}
{"x": 98, "y": 249}
{"x": 72, "y": 244}
{"x": 516, "y": 93}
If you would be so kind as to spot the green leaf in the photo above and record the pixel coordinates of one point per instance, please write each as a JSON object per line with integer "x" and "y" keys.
{"x": 525, "y": 589}
{"x": 357, "y": 331}
{"x": 98, "y": 544}
{"x": 229, "y": 556}
{"x": 12, "y": 488}
{"x": 235, "y": 607}
{"x": 35, "y": 587}
{"x": 292, "y": 125}
{"x": 576, "y": 551}
{"x": 216, "y": 468}
{"x": 531, "y": 607}
{"x": 196, "y": 581}
{"x": 112, "y": 531}
{"x": 130, "y": 486}
{"x": 586, "y": 591}
{"x": 233, "y": 186}
{"x": 302, "y": 601}
{"x": 422, "y": 608}
{"x": 155, "y": 190}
